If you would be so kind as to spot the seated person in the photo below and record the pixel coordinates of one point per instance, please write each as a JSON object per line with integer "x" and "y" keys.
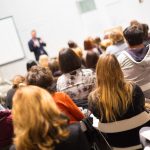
{"x": 30, "y": 63}
{"x": 17, "y": 80}
{"x": 54, "y": 67}
{"x": 43, "y": 61}
{"x": 118, "y": 44}
{"x": 91, "y": 60}
{"x": 6, "y": 129}
{"x": 39, "y": 124}
{"x": 72, "y": 45}
{"x": 89, "y": 45}
{"x": 42, "y": 77}
{"x": 135, "y": 61}
{"x": 145, "y": 29}
{"x": 118, "y": 104}
{"x": 74, "y": 81}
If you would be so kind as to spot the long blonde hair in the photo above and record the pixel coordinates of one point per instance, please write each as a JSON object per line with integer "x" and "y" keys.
{"x": 115, "y": 94}
{"x": 37, "y": 121}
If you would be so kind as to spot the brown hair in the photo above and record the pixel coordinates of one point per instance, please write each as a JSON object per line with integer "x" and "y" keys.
{"x": 116, "y": 37}
{"x": 38, "y": 124}
{"x": 17, "y": 80}
{"x": 68, "y": 60}
{"x": 88, "y": 44}
{"x": 41, "y": 77}
{"x": 115, "y": 94}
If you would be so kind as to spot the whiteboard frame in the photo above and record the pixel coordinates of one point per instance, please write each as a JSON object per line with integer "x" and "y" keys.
{"x": 24, "y": 56}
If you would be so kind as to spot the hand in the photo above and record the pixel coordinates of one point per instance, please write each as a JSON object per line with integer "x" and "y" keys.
{"x": 41, "y": 41}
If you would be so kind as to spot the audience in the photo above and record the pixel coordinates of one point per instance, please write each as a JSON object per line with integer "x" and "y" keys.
{"x": 118, "y": 44}
{"x": 39, "y": 124}
{"x": 74, "y": 81}
{"x": 113, "y": 87}
{"x": 118, "y": 104}
{"x": 42, "y": 77}
{"x": 136, "y": 59}
{"x": 18, "y": 79}
{"x": 30, "y": 63}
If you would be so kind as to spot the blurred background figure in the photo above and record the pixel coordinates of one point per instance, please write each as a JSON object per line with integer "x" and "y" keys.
{"x": 30, "y": 63}
{"x": 44, "y": 61}
{"x": 118, "y": 43}
{"x": 36, "y": 45}
{"x": 75, "y": 48}
{"x": 17, "y": 80}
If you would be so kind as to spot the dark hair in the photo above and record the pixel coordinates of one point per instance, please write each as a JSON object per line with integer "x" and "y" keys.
{"x": 97, "y": 40}
{"x": 133, "y": 35}
{"x": 68, "y": 60}
{"x": 145, "y": 30}
{"x": 72, "y": 44}
{"x": 40, "y": 76}
{"x": 29, "y": 64}
{"x": 91, "y": 59}
{"x": 88, "y": 44}
{"x": 54, "y": 67}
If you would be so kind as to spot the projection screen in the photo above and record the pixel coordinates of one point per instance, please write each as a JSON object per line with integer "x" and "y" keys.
{"x": 10, "y": 44}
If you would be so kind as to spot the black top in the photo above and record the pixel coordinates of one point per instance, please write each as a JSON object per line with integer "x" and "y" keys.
{"x": 124, "y": 138}
{"x": 137, "y": 106}
{"x": 9, "y": 97}
{"x": 37, "y": 50}
{"x": 76, "y": 140}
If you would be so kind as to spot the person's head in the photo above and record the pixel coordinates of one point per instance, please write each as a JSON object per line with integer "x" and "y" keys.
{"x": 145, "y": 30}
{"x": 97, "y": 41}
{"x": 116, "y": 37}
{"x": 105, "y": 43}
{"x": 134, "y": 23}
{"x": 88, "y": 44}
{"x": 115, "y": 93}
{"x": 68, "y": 60}
{"x": 91, "y": 59}
{"x": 38, "y": 124}
{"x": 40, "y": 76}
{"x": 43, "y": 61}
{"x": 17, "y": 80}
{"x": 72, "y": 44}
{"x": 133, "y": 35}
{"x": 33, "y": 34}
{"x": 54, "y": 67}
{"x": 30, "y": 63}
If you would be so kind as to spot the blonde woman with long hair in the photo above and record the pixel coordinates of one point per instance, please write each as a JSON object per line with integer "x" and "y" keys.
{"x": 39, "y": 124}
{"x": 118, "y": 104}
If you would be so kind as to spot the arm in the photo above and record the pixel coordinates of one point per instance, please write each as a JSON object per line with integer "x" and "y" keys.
{"x": 41, "y": 42}
{"x": 73, "y": 109}
{"x": 138, "y": 98}
{"x": 31, "y": 46}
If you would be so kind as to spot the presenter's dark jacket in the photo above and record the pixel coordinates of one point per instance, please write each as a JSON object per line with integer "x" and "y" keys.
{"x": 37, "y": 50}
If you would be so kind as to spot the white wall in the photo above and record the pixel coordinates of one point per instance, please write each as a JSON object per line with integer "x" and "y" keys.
{"x": 57, "y": 21}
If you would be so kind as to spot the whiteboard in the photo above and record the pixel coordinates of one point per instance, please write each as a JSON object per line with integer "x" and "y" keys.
{"x": 10, "y": 45}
